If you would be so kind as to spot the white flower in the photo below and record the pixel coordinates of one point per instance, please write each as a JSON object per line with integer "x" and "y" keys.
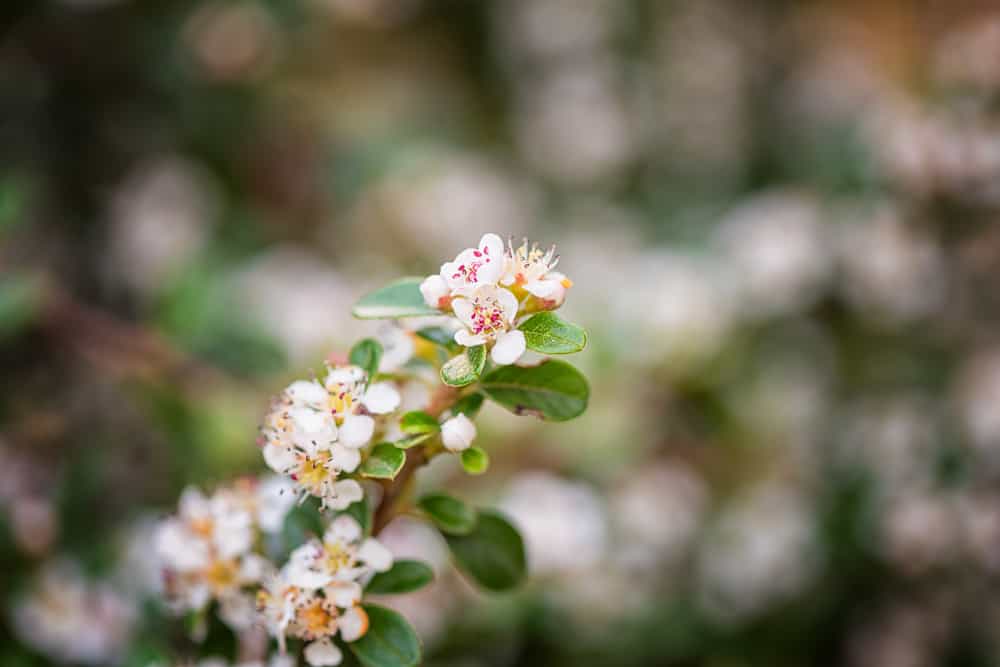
{"x": 488, "y": 316}
{"x": 397, "y": 347}
{"x": 322, "y": 653}
{"x": 275, "y": 498}
{"x": 532, "y": 269}
{"x": 475, "y": 267}
{"x": 337, "y": 562}
{"x": 458, "y": 433}
{"x": 436, "y": 292}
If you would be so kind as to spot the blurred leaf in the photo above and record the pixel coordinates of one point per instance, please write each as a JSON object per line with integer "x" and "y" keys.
{"x": 550, "y": 334}
{"x": 405, "y": 576}
{"x": 468, "y": 405}
{"x": 20, "y": 301}
{"x": 418, "y": 422}
{"x": 389, "y": 642}
{"x": 551, "y": 390}
{"x": 465, "y": 368}
{"x": 450, "y": 514}
{"x": 384, "y": 462}
{"x": 439, "y": 336}
{"x": 367, "y": 353}
{"x": 492, "y": 554}
{"x": 475, "y": 460}
{"x": 399, "y": 299}
{"x": 412, "y": 440}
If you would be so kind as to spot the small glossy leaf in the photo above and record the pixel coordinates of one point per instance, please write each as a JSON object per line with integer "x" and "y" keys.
{"x": 384, "y": 462}
{"x": 550, "y": 334}
{"x": 439, "y": 336}
{"x": 403, "y": 577}
{"x": 399, "y": 299}
{"x": 418, "y": 422}
{"x": 389, "y": 642}
{"x": 492, "y": 554}
{"x": 450, "y": 514}
{"x": 412, "y": 440}
{"x": 551, "y": 390}
{"x": 475, "y": 460}
{"x": 465, "y": 368}
{"x": 468, "y": 405}
{"x": 367, "y": 353}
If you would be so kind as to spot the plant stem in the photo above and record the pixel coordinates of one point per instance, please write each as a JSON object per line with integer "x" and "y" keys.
{"x": 394, "y": 490}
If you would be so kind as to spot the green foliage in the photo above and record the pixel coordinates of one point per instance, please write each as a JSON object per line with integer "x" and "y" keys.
{"x": 20, "y": 300}
{"x": 417, "y": 422}
{"x": 389, "y": 642}
{"x": 439, "y": 336}
{"x": 398, "y": 299}
{"x": 384, "y": 461}
{"x": 465, "y": 368}
{"x": 450, "y": 514}
{"x": 367, "y": 353}
{"x": 551, "y": 390}
{"x": 468, "y": 405}
{"x": 492, "y": 554}
{"x": 475, "y": 460}
{"x": 403, "y": 577}
{"x": 550, "y": 334}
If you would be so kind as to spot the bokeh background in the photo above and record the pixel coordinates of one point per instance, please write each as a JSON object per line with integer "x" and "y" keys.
{"x": 781, "y": 221}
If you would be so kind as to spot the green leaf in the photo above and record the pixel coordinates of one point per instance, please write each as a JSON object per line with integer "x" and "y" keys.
{"x": 389, "y": 642}
{"x": 412, "y": 440}
{"x": 418, "y": 422}
{"x": 450, "y": 514}
{"x": 475, "y": 460}
{"x": 384, "y": 462}
{"x": 367, "y": 353}
{"x": 465, "y": 368}
{"x": 550, "y": 334}
{"x": 492, "y": 554}
{"x": 439, "y": 336}
{"x": 399, "y": 299}
{"x": 468, "y": 405}
{"x": 403, "y": 577}
{"x": 551, "y": 390}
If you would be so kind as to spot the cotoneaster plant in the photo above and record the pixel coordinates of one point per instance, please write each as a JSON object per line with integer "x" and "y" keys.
{"x": 296, "y": 553}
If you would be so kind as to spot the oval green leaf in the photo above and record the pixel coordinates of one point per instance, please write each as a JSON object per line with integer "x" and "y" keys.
{"x": 475, "y": 460}
{"x": 403, "y": 577}
{"x": 550, "y": 334}
{"x": 367, "y": 353}
{"x": 399, "y": 299}
{"x": 450, "y": 514}
{"x": 468, "y": 405}
{"x": 384, "y": 461}
{"x": 465, "y": 368}
{"x": 492, "y": 554}
{"x": 412, "y": 440}
{"x": 418, "y": 422}
{"x": 389, "y": 642}
{"x": 438, "y": 336}
{"x": 551, "y": 390}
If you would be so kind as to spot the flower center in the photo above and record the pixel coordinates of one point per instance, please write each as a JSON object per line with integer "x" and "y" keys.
{"x": 221, "y": 574}
{"x": 487, "y": 317}
{"x": 337, "y": 557}
{"x": 531, "y": 262}
{"x": 318, "y": 619}
{"x": 202, "y": 526}
{"x": 341, "y": 404}
{"x": 313, "y": 472}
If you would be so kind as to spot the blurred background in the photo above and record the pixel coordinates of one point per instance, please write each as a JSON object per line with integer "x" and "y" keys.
{"x": 781, "y": 222}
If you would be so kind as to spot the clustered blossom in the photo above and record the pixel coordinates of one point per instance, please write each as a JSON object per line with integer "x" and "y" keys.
{"x": 488, "y": 287}
{"x": 317, "y": 594}
{"x": 206, "y": 550}
{"x": 316, "y": 431}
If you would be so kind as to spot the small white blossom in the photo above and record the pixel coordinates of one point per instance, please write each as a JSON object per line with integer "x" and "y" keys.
{"x": 488, "y": 316}
{"x": 532, "y": 269}
{"x": 339, "y": 561}
{"x": 475, "y": 267}
{"x": 458, "y": 433}
{"x": 436, "y": 292}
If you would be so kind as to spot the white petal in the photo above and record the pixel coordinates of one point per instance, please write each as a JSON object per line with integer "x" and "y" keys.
{"x": 307, "y": 393}
{"x": 300, "y": 575}
{"x": 344, "y": 375}
{"x": 508, "y": 302}
{"x": 353, "y": 624}
{"x": 375, "y": 555}
{"x": 345, "y": 594}
{"x": 343, "y": 493}
{"x": 275, "y": 498}
{"x": 543, "y": 289}
{"x": 433, "y": 289}
{"x": 343, "y": 529}
{"x": 253, "y": 567}
{"x": 509, "y": 347}
{"x": 279, "y": 459}
{"x": 492, "y": 244}
{"x": 345, "y": 459}
{"x": 323, "y": 653}
{"x": 463, "y": 310}
{"x": 193, "y": 503}
{"x": 466, "y": 339}
{"x": 458, "y": 433}
{"x": 357, "y": 430}
{"x": 381, "y": 398}
{"x": 178, "y": 549}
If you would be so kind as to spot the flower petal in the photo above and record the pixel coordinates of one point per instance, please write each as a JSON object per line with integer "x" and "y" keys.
{"x": 509, "y": 347}
{"x": 463, "y": 310}
{"x": 353, "y": 624}
{"x": 356, "y": 431}
{"x": 323, "y": 653}
{"x": 433, "y": 289}
{"x": 375, "y": 555}
{"x": 345, "y": 594}
{"x": 458, "y": 433}
{"x": 381, "y": 398}
{"x": 508, "y": 302}
{"x": 343, "y": 458}
{"x": 307, "y": 393}
{"x": 466, "y": 339}
{"x": 543, "y": 289}
{"x": 278, "y": 458}
{"x": 343, "y": 529}
{"x": 343, "y": 493}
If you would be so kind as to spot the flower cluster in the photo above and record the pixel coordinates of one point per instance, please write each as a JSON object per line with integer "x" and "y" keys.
{"x": 316, "y": 431}
{"x": 488, "y": 287}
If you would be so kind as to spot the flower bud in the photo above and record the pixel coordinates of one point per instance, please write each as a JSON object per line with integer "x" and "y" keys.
{"x": 458, "y": 433}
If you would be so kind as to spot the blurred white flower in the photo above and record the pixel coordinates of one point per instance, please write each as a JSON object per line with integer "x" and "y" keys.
{"x": 457, "y": 433}
{"x": 976, "y": 395}
{"x": 338, "y": 562}
{"x": 563, "y": 523}
{"x": 921, "y": 530}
